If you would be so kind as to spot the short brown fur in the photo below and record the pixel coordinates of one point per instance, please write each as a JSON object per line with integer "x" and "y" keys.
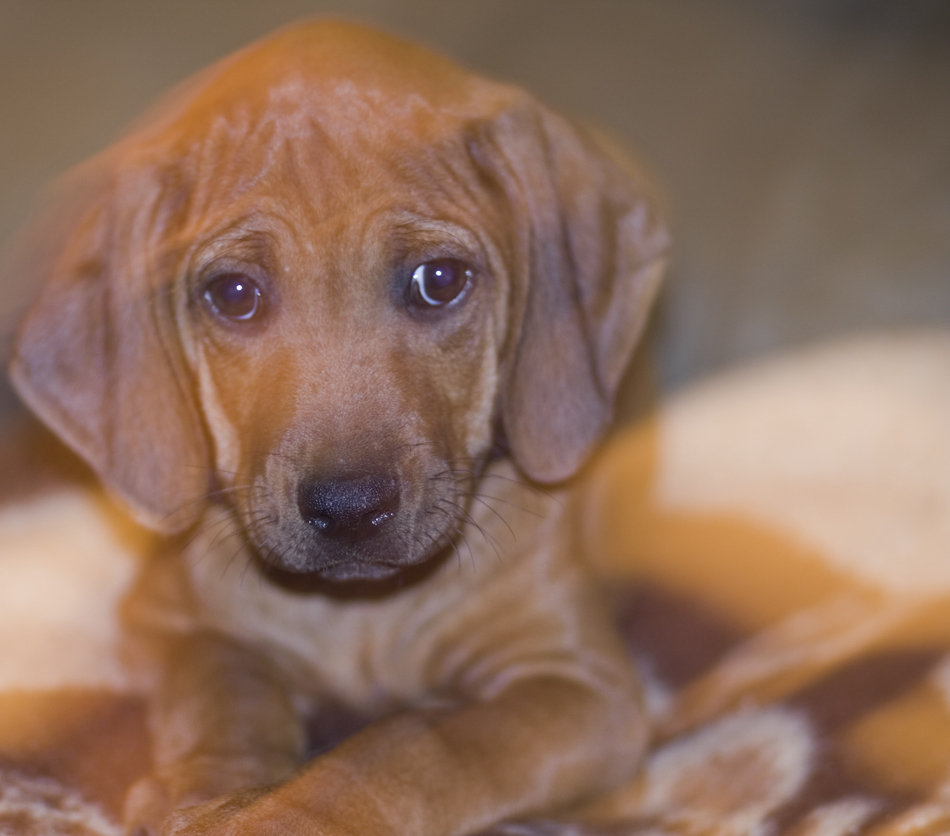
{"x": 325, "y": 163}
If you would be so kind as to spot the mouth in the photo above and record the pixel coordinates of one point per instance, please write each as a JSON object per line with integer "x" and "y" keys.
{"x": 357, "y": 572}
{"x": 349, "y": 580}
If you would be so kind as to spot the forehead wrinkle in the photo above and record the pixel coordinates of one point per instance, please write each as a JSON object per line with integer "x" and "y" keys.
{"x": 334, "y": 164}
{"x": 437, "y": 167}
{"x": 444, "y": 199}
{"x": 256, "y": 158}
{"x": 306, "y": 178}
{"x": 268, "y": 217}
{"x": 224, "y": 160}
{"x": 352, "y": 263}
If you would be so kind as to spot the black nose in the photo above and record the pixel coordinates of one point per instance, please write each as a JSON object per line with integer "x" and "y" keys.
{"x": 348, "y": 508}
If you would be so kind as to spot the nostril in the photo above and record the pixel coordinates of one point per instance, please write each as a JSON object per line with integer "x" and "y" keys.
{"x": 321, "y": 522}
{"x": 353, "y": 508}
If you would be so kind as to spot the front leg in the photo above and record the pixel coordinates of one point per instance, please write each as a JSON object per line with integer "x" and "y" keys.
{"x": 542, "y": 743}
{"x": 222, "y": 720}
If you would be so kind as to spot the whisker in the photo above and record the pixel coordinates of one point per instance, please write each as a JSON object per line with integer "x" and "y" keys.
{"x": 211, "y": 496}
{"x": 247, "y": 562}
{"x": 489, "y": 540}
{"x": 203, "y": 529}
{"x": 510, "y": 504}
{"x": 227, "y": 565}
{"x": 477, "y": 498}
{"x": 449, "y": 540}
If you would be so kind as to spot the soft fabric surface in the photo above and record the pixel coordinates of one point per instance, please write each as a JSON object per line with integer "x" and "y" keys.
{"x": 778, "y": 545}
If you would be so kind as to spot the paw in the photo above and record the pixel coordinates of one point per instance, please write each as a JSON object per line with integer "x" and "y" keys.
{"x": 151, "y": 810}
{"x": 196, "y": 783}
{"x": 218, "y": 816}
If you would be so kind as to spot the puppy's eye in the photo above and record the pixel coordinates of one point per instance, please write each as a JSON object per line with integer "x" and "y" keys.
{"x": 437, "y": 283}
{"x": 234, "y": 295}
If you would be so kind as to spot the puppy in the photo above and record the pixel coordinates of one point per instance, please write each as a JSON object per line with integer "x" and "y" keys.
{"x": 326, "y": 320}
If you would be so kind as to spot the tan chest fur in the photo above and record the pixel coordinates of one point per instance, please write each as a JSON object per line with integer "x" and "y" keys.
{"x": 464, "y": 625}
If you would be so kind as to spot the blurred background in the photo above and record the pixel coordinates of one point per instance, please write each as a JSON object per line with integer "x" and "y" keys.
{"x": 803, "y": 146}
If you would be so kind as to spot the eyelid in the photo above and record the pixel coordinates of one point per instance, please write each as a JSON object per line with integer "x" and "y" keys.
{"x": 427, "y": 239}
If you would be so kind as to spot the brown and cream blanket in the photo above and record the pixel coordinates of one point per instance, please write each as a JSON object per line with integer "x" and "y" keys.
{"x": 777, "y": 544}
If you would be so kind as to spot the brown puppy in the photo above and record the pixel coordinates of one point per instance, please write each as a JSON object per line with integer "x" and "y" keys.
{"x": 297, "y": 316}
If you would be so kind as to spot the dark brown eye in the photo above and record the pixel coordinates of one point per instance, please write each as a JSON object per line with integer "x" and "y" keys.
{"x": 234, "y": 295}
{"x": 438, "y": 282}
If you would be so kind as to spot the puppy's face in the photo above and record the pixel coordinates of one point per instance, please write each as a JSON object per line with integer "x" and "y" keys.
{"x": 316, "y": 283}
{"x": 345, "y": 325}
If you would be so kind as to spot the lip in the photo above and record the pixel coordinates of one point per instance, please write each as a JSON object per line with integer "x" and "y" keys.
{"x": 336, "y": 571}
{"x": 355, "y": 579}
{"x": 349, "y": 572}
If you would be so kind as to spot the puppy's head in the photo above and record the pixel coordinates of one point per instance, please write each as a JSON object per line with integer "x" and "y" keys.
{"x": 321, "y": 282}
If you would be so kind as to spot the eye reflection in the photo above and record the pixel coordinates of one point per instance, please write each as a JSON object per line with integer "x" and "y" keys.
{"x": 234, "y": 296}
{"x": 439, "y": 282}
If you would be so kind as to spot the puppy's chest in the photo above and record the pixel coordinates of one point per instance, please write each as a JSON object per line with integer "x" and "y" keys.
{"x": 363, "y": 654}
{"x": 381, "y": 654}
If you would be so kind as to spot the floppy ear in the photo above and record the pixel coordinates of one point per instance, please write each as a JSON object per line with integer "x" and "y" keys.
{"x": 97, "y": 359}
{"x": 593, "y": 254}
